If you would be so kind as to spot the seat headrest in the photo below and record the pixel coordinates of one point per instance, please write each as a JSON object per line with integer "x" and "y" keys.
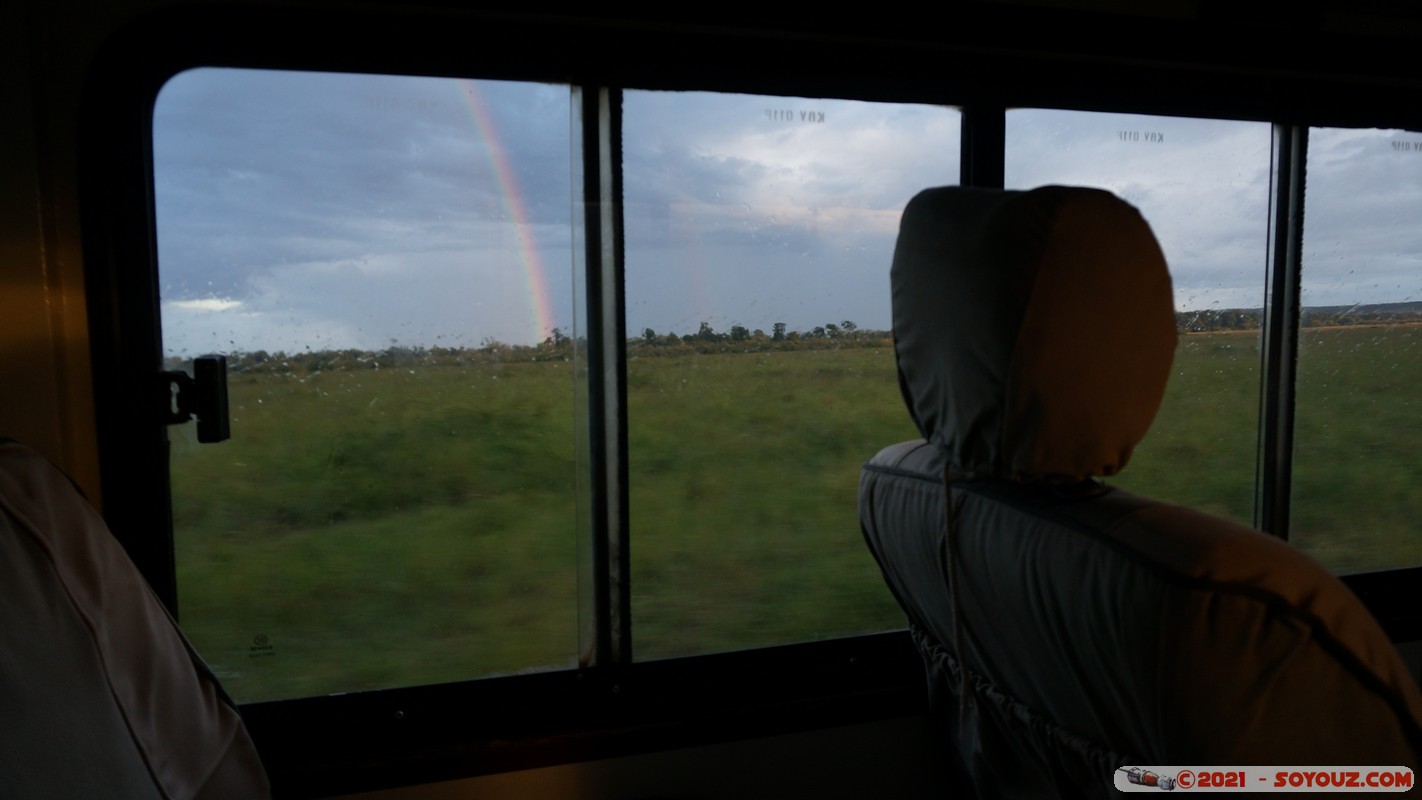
{"x": 1033, "y": 330}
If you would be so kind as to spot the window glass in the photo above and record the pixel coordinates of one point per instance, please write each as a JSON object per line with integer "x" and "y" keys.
{"x": 386, "y": 261}
{"x": 759, "y": 234}
{"x": 1357, "y": 480}
{"x": 1203, "y": 185}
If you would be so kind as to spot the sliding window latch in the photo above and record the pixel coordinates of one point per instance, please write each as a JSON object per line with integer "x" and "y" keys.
{"x": 203, "y": 394}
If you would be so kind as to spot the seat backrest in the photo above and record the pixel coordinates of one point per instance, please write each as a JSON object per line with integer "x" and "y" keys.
{"x": 100, "y": 694}
{"x": 1071, "y": 629}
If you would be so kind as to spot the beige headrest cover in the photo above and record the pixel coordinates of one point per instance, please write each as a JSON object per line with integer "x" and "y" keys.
{"x": 1034, "y": 330}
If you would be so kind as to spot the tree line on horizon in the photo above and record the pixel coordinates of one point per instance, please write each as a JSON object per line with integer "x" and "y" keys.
{"x": 559, "y": 346}
{"x": 1249, "y": 319}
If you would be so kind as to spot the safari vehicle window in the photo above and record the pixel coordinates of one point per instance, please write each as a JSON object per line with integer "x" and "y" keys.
{"x": 1357, "y": 482}
{"x": 1203, "y": 185}
{"x": 387, "y": 264}
{"x": 760, "y": 365}
{"x": 392, "y": 267}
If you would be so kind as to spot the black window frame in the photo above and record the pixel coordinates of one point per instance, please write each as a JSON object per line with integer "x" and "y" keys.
{"x": 986, "y": 64}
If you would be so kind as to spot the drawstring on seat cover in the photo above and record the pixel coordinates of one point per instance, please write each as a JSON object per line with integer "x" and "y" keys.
{"x": 950, "y": 530}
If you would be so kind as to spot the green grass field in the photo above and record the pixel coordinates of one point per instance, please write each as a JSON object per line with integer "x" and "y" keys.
{"x": 745, "y": 474}
{"x": 381, "y": 528}
{"x": 1357, "y": 496}
{"x": 366, "y": 529}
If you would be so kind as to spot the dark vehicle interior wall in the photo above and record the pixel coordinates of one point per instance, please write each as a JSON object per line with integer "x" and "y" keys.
{"x": 1320, "y": 63}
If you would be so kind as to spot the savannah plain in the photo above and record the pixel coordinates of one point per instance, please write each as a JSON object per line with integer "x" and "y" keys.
{"x": 406, "y": 518}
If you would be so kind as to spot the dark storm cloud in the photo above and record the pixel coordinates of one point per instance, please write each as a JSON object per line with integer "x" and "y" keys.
{"x": 317, "y": 210}
{"x": 288, "y": 160}
{"x": 1201, "y": 184}
{"x": 753, "y": 210}
{"x": 1361, "y": 241}
{"x": 391, "y": 190}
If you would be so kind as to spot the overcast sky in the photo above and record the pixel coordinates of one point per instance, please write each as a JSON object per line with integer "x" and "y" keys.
{"x": 306, "y": 210}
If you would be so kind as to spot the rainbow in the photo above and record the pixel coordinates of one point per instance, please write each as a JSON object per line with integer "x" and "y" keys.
{"x": 540, "y": 302}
